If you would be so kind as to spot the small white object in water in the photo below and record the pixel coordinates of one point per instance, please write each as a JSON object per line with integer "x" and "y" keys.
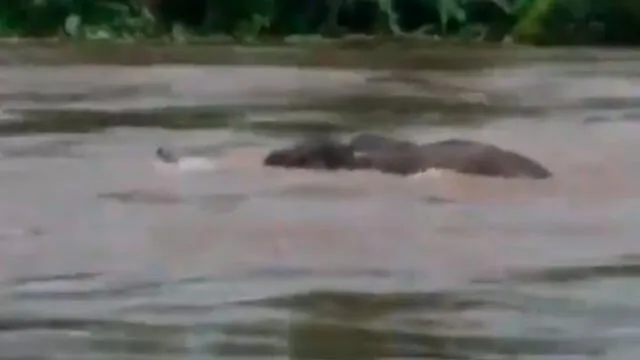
{"x": 186, "y": 164}
{"x": 19, "y": 232}
{"x": 430, "y": 173}
{"x": 167, "y": 161}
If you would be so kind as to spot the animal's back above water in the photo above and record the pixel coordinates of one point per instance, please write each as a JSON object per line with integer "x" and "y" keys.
{"x": 472, "y": 157}
{"x": 314, "y": 154}
{"x": 388, "y": 155}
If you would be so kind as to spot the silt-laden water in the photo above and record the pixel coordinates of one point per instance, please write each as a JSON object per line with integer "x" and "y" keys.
{"x": 106, "y": 254}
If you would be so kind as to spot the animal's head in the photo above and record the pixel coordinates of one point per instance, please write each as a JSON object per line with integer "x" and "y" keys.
{"x": 314, "y": 154}
{"x": 166, "y": 155}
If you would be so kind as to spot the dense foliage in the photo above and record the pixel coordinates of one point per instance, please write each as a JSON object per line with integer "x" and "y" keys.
{"x": 532, "y": 21}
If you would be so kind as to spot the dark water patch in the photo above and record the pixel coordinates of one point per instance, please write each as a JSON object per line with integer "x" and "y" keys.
{"x": 369, "y": 111}
{"x": 625, "y": 68}
{"x": 436, "y": 200}
{"x": 217, "y": 149}
{"x": 93, "y": 94}
{"x": 221, "y": 202}
{"x": 338, "y": 341}
{"x": 317, "y": 339}
{"x": 133, "y": 339}
{"x": 343, "y": 324}
{"x": 315, "y": 325}
{"x": 345, "y": 113}
{"x": 318, "y": 192}
{"x": 286, "y": 128}
{"x": 93, "y": 292}
{"x": 23, "y": 323}
{"x": 52, "y": 148}
{"x": 341, "y": 53}
{"x": 278, "y": 272}
{"x": 632, "y": 116}
{"x": 82, "y": 121}
{"x": 29, "y": 231}
{"x": 400, "y": 109}
{"x": 528, "y": 301}
{"x": 309, "y": 339}
{"x": 217, "y": 202}
{"x": 597, "y": 119}
{"x": 610, "y": 103}
{"x": 158, "y": 343}
{"x": 55, "y": 277}
{"x": 571, "y": 274}
{"x": 170, "y": 309}
{"x": 339, "y": 305}
{"x": 236, "y": 348}
{"x": 259, "y": 339}
{"x": 143, "y": 197}
{"x": 417, "y": 80}
{"x": 176, "y": 118}
{"x": 288, "y": 273}
{"x": 335, "y": 192}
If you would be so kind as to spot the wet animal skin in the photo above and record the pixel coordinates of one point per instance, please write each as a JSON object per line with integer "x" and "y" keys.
{"x": 320, "y": 153}
{"x": 166, "y": 155}
{"x": 372, "y": 151}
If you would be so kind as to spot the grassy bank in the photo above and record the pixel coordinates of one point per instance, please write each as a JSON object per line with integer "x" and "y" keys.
{"x": 540, "y": 22}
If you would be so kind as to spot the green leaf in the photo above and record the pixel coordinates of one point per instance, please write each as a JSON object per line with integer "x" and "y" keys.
{"x": 73, "y": 25}
{"x": 448, "y": 9}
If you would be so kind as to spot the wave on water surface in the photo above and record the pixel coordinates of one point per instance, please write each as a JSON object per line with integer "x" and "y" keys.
{"x": 186, "y": 164}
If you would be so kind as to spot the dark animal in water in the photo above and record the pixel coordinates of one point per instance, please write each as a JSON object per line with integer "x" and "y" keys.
{"x": 166, "y": 155}
{"x": 473, "y": 157}
{"x": 371, "y": 151}
{"x": 319, "y": 153}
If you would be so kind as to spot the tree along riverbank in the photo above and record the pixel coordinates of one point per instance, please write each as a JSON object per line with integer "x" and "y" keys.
{"x": 538, "y": 22}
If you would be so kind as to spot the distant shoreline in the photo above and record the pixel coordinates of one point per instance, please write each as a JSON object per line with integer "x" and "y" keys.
{"x": 349, "y": 52}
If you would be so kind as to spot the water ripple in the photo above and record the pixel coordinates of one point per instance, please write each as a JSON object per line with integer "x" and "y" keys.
{"x": 322, "y": 324}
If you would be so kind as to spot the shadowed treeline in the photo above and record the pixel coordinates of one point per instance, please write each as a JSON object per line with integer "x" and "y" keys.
{"x": 608, "y": 22}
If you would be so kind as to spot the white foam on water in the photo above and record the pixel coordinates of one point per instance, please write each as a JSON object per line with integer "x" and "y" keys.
{"x": 432, "y": 173}
{"x": 186, "y": 164}
{"x": 5, "y": 115}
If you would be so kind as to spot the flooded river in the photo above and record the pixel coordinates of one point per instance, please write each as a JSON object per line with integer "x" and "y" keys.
{"x": 106, "y": 254}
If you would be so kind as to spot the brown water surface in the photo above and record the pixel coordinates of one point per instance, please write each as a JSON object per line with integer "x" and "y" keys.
{"x": 106, "y": 254}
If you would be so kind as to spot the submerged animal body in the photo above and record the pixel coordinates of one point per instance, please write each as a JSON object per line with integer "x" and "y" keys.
{"x": 319, "y": 153}
{"x": 371, "y": 151}
{"x": 166, "y": 155}
{"x": 477, "y": 158}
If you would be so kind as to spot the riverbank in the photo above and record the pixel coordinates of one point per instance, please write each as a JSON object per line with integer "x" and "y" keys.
{"x": 353, "y": 52}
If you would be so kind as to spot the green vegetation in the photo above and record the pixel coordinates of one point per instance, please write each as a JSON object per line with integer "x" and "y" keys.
{"x": 611, "y": 22}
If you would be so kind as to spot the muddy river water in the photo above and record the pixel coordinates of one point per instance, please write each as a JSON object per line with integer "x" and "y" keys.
{"x": 106, "y": 254}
